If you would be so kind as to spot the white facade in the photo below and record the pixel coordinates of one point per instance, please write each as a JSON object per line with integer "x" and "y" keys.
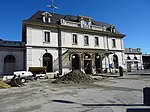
{"x": 70, "y": 39}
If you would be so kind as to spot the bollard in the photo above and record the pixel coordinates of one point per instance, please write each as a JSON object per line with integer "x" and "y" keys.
{"x": 146, "y": 95}
{"x": 120, "y": 71}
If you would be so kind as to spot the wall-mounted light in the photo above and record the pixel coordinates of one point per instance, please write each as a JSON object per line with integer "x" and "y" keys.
{"x": 86, "y": 57}
{"x": 97, "y": 57}
{"x": 46, "y": 50}
{"x": 73, "y": 57}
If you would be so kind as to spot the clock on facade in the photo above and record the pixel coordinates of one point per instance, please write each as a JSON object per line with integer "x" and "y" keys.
{"x": 85, "y": 24}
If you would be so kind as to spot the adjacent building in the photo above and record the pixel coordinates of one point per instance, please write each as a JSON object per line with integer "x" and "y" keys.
{"x": 146, "y": 61}
{"x": 66, "y": 42}
{"x": 12, "y": 56}
{"x": 133, "y": 59}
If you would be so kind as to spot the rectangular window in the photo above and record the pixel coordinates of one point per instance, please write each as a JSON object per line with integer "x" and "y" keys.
{"x": 96, "y": 41}
{"x": 86, "y": 40}
{"x": 74, "y": 39}
{"x": 47, "y": 36}
{"x": 113, "y": 43}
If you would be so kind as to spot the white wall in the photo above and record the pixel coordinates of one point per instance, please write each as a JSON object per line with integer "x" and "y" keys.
{"x": 36, "y": 59}
{"x": 35, "y": 37}
{"x": 67, "y": 41}
{"x": 139, "y": 59}
{"x": 36, "y": 46}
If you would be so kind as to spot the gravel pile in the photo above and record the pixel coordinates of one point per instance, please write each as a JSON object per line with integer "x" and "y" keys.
{"x": 75, "y": 76}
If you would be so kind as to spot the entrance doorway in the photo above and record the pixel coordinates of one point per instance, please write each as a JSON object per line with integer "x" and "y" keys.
{"x": 115, "y": 60}
{"x": 48, "y": 62}
{"x": 98, "y": 63}
{"x": 129, "y": 66}
{"x": 9, "y": 64}
{"x": 75, "y": 62}
{"x": 87, "y": 64}
{"x": 136, "y": 63}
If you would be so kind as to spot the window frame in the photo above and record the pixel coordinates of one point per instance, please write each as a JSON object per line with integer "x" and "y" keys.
{"x": 74, "y": 39}
{"x": 113, "y": 43}
{"x": 46, "y": 40}
{"x": 86, "y": 40}
{"x": 96, "y": 41}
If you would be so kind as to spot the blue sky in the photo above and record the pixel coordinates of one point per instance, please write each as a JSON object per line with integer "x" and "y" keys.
{"x": 131, "y": 17}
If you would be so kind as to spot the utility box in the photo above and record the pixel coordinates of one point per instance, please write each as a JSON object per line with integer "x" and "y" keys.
{"x": 146, "y": 95}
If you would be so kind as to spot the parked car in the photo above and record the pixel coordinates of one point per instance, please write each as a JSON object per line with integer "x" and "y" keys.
{"x": 42, "y": 76}
{"x": 24, "y": 75}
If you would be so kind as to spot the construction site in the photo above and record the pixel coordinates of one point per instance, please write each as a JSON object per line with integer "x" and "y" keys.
{"x": 95, "y": 94}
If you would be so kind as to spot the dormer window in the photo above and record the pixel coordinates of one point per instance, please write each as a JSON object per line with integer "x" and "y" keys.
{"x": 130, "y": 49}
{"x": 112, "y": 29}
{"x": 46, "y": 17}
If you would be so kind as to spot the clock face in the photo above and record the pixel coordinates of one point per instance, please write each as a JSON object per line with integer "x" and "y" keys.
{"x": 85, "y": 24}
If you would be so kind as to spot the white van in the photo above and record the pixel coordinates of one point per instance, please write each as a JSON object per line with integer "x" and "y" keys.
{"x": 24, "y": 75}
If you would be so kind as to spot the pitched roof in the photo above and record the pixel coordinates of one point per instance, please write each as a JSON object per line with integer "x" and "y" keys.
{"x": 133, "y": 51}
{"x": 55, "y": 19}
{"x": 38, "y": 17}
{"x": 18, "y": 44}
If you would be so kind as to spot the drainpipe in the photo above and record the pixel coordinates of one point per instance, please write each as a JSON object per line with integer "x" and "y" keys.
{"x": 108, "y": 55}
{"x": 59, "y": 51}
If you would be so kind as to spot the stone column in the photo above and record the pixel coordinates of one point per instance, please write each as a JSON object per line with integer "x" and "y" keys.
{"x": 59, "y": 52}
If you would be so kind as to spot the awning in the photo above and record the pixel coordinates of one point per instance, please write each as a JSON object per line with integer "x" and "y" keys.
{"x": 93, "y": 51}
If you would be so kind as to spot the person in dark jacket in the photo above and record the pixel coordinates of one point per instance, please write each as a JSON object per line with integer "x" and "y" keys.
{"x": 13, "y": 82}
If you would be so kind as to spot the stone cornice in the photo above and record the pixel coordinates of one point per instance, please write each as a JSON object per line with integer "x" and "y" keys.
{"x": 74, "y": 29}
{"x": 56, "y": 47}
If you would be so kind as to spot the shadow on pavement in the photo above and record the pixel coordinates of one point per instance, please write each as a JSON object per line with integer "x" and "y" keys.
{"x": 62, "y": 101}
{"x": 138, "y": 110}
{"x": 71, "y": 102}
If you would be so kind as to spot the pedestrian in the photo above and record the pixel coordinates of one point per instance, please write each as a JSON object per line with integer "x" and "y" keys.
{"x": 13, "y": 82}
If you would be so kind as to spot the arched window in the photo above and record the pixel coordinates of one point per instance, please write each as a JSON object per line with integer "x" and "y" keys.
{"x": 87, "y": 64}
{"x": 98, "y": 63}
{"x": 75, "y": 61}
{"x": 135, "y": 58}
{"x": 128, "y": 58}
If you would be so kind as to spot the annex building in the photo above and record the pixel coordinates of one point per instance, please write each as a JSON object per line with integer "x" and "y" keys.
{"x": 63, "y": 43}
{"x": 12, "y": 56}
{"x": 133, "y": 59}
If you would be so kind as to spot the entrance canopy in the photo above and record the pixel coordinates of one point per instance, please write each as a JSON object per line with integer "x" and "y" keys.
{"x": 101, "y": 52}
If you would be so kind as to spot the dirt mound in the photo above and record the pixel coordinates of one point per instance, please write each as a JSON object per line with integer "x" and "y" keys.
{"x": 75, "y": 76}
{"x": 4, "y": 85}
